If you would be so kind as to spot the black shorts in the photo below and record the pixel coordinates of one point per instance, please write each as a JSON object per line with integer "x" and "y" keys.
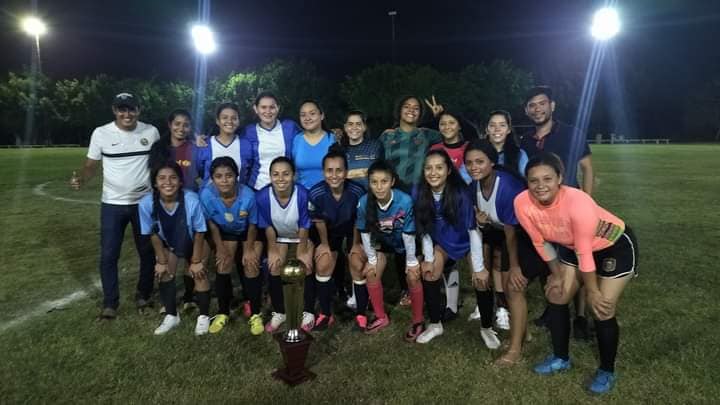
{"x": 233, "y": 237}
{"x": 495, "y": 239}
{"x": 616, "y": 261}
{"x": 531, "y": 264}
{"x": 335, "y": 242}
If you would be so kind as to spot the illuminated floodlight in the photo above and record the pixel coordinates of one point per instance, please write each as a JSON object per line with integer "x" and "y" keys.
{"x": 204, "y": 39}
{"x": 33, "y": 26}
{"x": 605, "y": 24}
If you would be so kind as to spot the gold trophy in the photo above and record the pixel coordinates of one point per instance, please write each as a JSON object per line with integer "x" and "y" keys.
{"x": 294, "y": 344}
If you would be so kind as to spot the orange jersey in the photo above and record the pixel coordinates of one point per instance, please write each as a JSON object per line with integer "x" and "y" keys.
{"x": 573, "y": 220}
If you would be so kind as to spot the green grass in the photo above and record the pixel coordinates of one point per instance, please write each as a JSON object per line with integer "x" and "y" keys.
{"x": 669, "y": 315}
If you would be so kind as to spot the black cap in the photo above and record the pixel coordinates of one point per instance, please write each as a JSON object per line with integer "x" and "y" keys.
{"x": 125, "y": 100}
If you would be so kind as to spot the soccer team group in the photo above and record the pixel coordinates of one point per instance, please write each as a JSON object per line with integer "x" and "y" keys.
{"x": 419, "y": 198}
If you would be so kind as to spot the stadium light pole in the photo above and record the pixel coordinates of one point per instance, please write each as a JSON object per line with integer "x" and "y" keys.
{"x": 392, "y": 14}
{"x": 204, "y": 41}
{"x": 35, "y": 28}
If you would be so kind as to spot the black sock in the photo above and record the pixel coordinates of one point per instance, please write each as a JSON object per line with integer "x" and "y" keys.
{"x": 253, "y": 291}
{"x": 339, "y": 275}
{"x": 189, "y": 288}
{"x": 223, "y": 290}
{"x": 168, "y": 292}
{"x": 433, "y": 299}
{"x": 485, "y": 306}
{"x": 500, "y": 300}
{"x": 203, "y": 299}
{"x": 276, "y": 294}
{"x": 310, "y": 294}
{"x": 559, "y": 323}
{"x": 399, "y": 263}
{"x": 361, "y": 298}
{"x": 608, "y": 337}
{"x": 325, "y": 293}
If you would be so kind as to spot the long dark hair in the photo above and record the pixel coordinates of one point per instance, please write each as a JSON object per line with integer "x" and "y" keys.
{"x": 489, "y": 150}
{"x": 425, "y": 205}
{"x": 371, "y": 215}
{"x": 161, "y": 151}
{"x": 156, "y": 194}
{"x": 317, "y": 105}
{"x": 510, "y": 147}
{"x": 398, "y": 108}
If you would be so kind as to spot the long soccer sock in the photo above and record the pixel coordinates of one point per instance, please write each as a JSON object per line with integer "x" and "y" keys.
{"x": 167, "y": 293}
{"x": 253, "y": 293}
{"x": 361, "y": 296}
{"x": 485, "y": 305}
{"x": 325, "y": 289}
{"x": 559, "y": 323}
{"x": 339, "y": 274}
{"x": 189, "y": 288}
{"x": 309, "y": 294}
{"x": 452, "y": 289}
{"x": 500, "y": 299}
{"x": 203, "y": 299}
{"x": 223, "y": 290}
{"x": 608, "y": 337}
{"x": 433, "y": 298}
{"x": 416, "y": 303}
{"x": 375, "y": 290}
{"x": 276, "y": 294}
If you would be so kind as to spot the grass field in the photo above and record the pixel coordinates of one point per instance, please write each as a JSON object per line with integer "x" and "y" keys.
{"x": 669, "y": 316}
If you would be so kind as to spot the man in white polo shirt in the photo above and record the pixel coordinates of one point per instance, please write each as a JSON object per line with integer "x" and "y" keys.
{"x": 123, "y": 147}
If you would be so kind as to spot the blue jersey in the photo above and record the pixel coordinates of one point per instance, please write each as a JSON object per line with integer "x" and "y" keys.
{"x": 308, "y": 158}
{"x": 269, "y": 144}
{"x": 393, "y": 221}
{"x": 286, "y": 220}
{"x": 194, "y": 218}
{"x": 339, "y": 216}
{"x": 360, "y": 157}
{"x": 499, "y": 204}
{"x": 454, "y": 239}
{"x": 235, "y": 219}
{"x": 241, "y": 150}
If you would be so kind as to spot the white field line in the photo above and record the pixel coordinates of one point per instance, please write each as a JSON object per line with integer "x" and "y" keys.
{"x": 40, "y": 190}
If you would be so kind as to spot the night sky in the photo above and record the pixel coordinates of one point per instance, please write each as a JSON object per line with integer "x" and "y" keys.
{"x": 668, "y": 43}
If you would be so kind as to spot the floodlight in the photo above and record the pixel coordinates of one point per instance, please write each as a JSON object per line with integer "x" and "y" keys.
{"x": 204, "y": 39}
{"x": 33, "y": 26}
{"x": 606, "y": 24}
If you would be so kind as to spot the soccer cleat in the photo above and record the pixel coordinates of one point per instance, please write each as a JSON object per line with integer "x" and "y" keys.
{"x": 377, "y": 325}
{"x": 475, "y": 315}
{"x": 276, "y": 320}
{"x": 246, "y": 309}
{"x": 360, "y": 323}
{"x": 323, "y": 322}
{"x": 552, "y": 365}
{"x": 449, "y": 315}
{"x": 308, "y": 321}
{"x": 202, "y": 326}
{"x": 581, "y": 329}
{"x": 415, "y": 330}
{"x": 351, "y": 303}
{"x": 404, "y": 299}
{"x": 256, "y": 325}
{"x": 433, "y": 330}
{"x": 168, "y": 323}
{"x": 602, "y": 382}
{"x": 489, "y": 336}
{"x": 218, "y": 323}
{"x": 502, "y": 318}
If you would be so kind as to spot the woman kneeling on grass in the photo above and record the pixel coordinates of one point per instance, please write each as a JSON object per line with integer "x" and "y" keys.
{"x": 232, "y": 215}
{"x": 446, "y": 221}
{"x": 175, "y": 221}
{"x": 386, "y": 225}
{"x": 283, "y": 214}
{"x": 571, "y": 232}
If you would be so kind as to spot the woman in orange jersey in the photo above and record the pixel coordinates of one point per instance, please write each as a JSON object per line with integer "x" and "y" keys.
{"x": 582, "y": 243}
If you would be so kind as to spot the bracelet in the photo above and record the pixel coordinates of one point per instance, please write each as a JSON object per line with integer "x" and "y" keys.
{"x": 195, "y": 261}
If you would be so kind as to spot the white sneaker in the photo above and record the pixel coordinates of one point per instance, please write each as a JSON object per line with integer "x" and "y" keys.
{"x": 433, "y": 330}
{"x": 308, "y": 321}
{"x": 502, "y": 318}
{"x": 490, "y": 338}
{"x": 275, "y": 322}
{"x": 202, "y": 325}
{"x": 351, "y": 302}
{"x": 169, "y": 322}
{"x": 475, "y": 316}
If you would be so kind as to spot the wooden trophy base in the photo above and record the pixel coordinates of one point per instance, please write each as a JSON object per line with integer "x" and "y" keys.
{"x": 294, "y": 356}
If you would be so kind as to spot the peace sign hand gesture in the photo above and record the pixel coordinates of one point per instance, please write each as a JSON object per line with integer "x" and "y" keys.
{"x": 436, "y": 108}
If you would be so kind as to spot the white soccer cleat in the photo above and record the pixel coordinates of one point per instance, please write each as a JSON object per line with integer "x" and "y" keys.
{"x": 433, "y": 330}
{"x": 308, "y": 321}
{"x": 276, "y": 320}
{"x": 502, "y": 318}
{"x": 168, "y": 323}
{"x": 490, "y": 338}
{"x": 475, "y": 316}
{"x": 202, "y": 325}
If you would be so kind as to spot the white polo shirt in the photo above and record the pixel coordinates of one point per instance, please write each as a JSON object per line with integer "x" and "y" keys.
{"x": 124, "y": 155}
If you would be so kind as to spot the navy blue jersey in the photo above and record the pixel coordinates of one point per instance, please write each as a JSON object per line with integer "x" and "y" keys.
{"x": 360, "y": 157}
{"x": 454, "y": 239}
{"x": 338, "y": 215}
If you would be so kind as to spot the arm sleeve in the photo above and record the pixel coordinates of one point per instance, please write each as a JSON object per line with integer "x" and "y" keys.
{"x": 476, "y": 251}
{"x": 304, "y": 221}
{"x": 94, "y": 150}
{"x": 263, "y": 211}
{"x": 145, "y": 213}
{"x": 252, "y": 210}
{"x": 409, "y": 224}
{"x": 360, "y": 215}
{"x": 368, "y": 248}
{"x": 428, "y": 249}
{"x": 409, "y": 243}
{"x": 522, "y": 162}
{"x": 197, "y": 218}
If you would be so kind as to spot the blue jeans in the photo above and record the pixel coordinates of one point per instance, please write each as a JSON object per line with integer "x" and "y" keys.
{"x": 113, "y": 221}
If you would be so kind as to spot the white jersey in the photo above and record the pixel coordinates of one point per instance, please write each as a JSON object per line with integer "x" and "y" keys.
{"x": 489, "y": 206}
{"x": 124, "y": 155}
{"x": 271, "y": 144}
{"x": 285, "y": 219}
{"x": 231, "y": 151}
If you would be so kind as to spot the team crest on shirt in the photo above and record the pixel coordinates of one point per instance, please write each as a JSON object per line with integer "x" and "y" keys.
{"x": 609, "y": 265}
{"x": 144, "y": 142}
{"x": 229, "y": 217}
{"x": 242, "y": 214}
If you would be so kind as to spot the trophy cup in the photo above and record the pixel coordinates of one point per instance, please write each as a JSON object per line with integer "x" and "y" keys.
{"x": 294, "y": 344}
